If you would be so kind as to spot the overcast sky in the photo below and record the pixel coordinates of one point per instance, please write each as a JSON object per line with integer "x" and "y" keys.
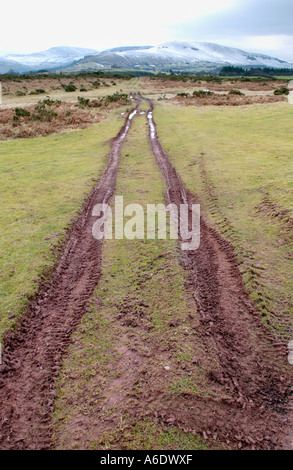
{"x": 253, "y": 25}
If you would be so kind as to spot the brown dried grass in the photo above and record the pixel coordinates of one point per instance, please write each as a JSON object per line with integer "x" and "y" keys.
{"x": 68, "y": 117}
{"x": 227, "y": 100}
{"x": 11, "y": 87}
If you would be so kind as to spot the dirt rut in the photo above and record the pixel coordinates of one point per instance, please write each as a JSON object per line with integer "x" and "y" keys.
{"x": 253, "y": 376}
{"x": 32, "y": 354}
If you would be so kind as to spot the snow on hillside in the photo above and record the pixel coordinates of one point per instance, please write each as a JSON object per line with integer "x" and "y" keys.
{"x": 179, "y": 54}
{"x": 184, "y": 52}
{"x": 52, "y": 57}
{"x": 9, "y": 65}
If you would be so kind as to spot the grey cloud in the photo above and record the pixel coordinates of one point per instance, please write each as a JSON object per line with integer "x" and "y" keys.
{"x": 248, "y": 17}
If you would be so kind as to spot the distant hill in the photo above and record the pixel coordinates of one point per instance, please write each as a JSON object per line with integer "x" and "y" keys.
{"x": 7, "y": 66}
{"x": 182, "y": 55}
{"x": 53, "y": 58}
{"x": 170, "y": 55}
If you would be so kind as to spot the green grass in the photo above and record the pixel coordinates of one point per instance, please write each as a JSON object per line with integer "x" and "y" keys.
{"x": 232, "y": 159}
{"x": 43, "y": 182}
{"x": 284, "y": 77}
{"x": 149, "y": 436}
{"x": 141, "y": 289}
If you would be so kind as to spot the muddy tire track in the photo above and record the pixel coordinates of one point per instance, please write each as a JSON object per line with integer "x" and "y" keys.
{"x": 33, "y": 352}
{"x": 254, "y": 378}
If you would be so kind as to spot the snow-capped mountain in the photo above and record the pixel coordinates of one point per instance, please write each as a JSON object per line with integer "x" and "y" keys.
{"x": 209, "y": 52}
{"x": 10, "y": 65}
{"x": 178, "y": 54}
{"x": 51, "y": 58}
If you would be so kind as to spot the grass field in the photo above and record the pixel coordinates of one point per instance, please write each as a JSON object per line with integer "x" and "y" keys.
{"x": 43, "y": 183}
{"x": 137, "y": 349}
{"x": 239, "y": 163}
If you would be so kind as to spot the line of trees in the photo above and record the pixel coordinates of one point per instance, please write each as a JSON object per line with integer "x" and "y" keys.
{"x": 233, "y": 71}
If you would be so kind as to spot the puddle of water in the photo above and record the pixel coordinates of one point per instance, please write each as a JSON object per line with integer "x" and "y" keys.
{"x": 152, "y": 127}
{"x": 124, "y": 134}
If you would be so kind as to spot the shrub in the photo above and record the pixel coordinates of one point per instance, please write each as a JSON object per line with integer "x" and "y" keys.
{"x": 96, "y": 84}
{"x": 235, "y": 92}
{"x": 86, "y": 102}
{"x": 70, "y": 87}
{"x": 43, "y": 114}
{"x": 281, "y": 91}
{"x": 96, "y": 103}
{"x": 184, "y": 95}
{"x": 116, "y": 97}
{"x": 20, "y": 93}
{"x": 83, "y": 102}
{"x": 38, "y": 91}
{"x": 202, "y": 93}
{"x": 50, "y": 102}
{"x": 20, "y": 112}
